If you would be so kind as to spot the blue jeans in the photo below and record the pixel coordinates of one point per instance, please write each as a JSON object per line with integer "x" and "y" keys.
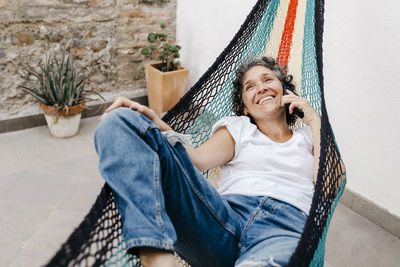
{"x": 166, "y": 203}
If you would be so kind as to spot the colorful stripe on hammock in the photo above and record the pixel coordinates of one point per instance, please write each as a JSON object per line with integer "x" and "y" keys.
{"x": 286, "y": 39}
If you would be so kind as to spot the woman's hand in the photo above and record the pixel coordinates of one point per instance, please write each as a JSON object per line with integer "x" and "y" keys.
{"x": 310, "y": 114}
{"x": 312, "y": 119}
{"x": 125, "y": 102}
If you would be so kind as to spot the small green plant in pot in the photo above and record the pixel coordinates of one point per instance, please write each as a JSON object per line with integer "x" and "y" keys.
{"x": 163, "y": 49}
{"x": 60, "y": 90}
{"x": 165, "y": 80}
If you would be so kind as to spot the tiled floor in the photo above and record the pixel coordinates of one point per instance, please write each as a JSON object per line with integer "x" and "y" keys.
{"x": 47, "y": 185}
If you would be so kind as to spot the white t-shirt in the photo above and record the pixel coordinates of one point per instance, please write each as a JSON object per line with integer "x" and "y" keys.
{"x": 262, "y": 167}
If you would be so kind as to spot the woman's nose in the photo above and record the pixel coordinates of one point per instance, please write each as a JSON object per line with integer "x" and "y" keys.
{"x": 261, "y": 88}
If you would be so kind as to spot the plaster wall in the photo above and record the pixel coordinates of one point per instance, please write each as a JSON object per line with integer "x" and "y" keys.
{"x": 361, "y": 63}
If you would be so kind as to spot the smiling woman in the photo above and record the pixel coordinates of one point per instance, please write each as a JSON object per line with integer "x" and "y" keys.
{"x": 266, "y": 170}
{"x": 258, "y": 81}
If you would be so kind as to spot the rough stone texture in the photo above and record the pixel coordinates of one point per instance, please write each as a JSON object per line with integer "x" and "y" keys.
{"x": 104, "y": 36}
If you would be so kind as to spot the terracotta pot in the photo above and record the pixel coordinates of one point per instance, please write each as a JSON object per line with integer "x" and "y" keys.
{"x": 65, "y": 122}
{"x": 164, "y": 89}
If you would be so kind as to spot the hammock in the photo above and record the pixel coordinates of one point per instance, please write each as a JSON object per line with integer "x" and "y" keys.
{"x": 288, "y": 30}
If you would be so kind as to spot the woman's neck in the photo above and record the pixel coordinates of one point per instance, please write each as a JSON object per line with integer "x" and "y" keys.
{"x": 276, "y": 130}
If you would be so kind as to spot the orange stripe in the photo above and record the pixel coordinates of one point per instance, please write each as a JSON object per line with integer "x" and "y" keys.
{"x": 287, "y": 35}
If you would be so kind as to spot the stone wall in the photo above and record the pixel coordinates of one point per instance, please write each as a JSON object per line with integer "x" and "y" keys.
{"x": 105, "y": 38}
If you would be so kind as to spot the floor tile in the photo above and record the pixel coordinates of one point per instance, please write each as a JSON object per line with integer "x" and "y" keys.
{"x": 5, "y": 183}
{"x": 9, "y": 251}
{"x": 37, "y": 187}
{"x": 20, "y": 221}
{"x": 13, "y": 147}
{"x": 24, "y": 150}
{"x": 55, "y": 230}
{"x": 83, "y": 167}
{"x": 82, "y": 196}
{"x": 355, "y": 241}
{"x": 33, "y": 257}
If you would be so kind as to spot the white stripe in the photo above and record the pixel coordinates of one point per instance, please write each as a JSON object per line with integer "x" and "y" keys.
{"x": 296, "y": 51}
{"x": 274, "y": 41}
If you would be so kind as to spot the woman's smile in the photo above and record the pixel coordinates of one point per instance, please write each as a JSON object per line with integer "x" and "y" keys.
{"x": 265, "y": 99}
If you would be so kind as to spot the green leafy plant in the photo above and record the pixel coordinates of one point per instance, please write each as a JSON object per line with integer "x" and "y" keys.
{"x": 163, "y": 49}
{"x": 57, "y": 83}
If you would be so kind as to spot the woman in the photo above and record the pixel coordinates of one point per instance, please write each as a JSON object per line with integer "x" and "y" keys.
{"x": 257, "y": 216}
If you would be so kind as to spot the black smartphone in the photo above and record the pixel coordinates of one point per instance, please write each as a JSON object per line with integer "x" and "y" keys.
{"x": 298, "y": 112}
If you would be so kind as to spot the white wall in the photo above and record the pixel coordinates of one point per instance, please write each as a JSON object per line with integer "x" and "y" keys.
{"x": 205, "y": 28}
{"x": 362, "y": 77}
{"x": 362, "y": 64}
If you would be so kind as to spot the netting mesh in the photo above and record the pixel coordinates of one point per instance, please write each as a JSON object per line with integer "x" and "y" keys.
{"x": 98, "y": 240}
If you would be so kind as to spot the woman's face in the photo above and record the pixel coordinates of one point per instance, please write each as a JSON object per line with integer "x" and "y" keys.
{"x": 262, "y": 93}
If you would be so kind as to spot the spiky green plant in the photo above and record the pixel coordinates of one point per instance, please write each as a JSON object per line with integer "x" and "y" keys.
{"x": 166, "y": 51}
{"x": 56, "y": 83}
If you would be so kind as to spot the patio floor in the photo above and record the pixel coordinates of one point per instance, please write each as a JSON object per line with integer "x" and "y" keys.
{"x": 47, "y": 185}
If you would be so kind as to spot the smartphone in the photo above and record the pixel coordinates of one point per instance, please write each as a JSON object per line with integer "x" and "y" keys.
{"x": 296, "y": 111}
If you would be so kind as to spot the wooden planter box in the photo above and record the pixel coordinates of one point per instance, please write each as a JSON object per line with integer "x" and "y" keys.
{"x": 164, "y": 89}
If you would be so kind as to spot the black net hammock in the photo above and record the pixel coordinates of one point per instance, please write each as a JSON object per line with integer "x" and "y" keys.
{"x": 288, "y": 30}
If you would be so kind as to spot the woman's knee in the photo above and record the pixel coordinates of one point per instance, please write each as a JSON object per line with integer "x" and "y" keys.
{"x": 111, "y": 127}
{"x": 120, "y": 118}
{"x": 120, "y": 125}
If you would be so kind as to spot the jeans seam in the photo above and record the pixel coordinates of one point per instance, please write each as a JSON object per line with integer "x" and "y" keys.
{"x": 203, "y": 200}
{"x": 251, "y": 219}
{"x": 157, "y": 192}
{"x": 157, "y": 181}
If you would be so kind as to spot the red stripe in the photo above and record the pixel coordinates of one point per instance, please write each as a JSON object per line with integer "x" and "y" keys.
{"x": 287, "y": 35}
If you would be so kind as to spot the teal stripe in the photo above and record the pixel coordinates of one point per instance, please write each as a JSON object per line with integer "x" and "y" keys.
{"x": 310, "y": 88}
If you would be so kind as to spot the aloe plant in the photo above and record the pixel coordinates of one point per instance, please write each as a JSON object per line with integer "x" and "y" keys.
{"x": 56, "y": 83}
{"x": 166, "y": 51}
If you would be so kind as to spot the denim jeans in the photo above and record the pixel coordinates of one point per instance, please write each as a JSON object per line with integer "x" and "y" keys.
{"x": 166, "y": 203}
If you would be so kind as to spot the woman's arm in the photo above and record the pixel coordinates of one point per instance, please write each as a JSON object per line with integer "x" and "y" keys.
{"x": 312, "y": 119}
{"x": 216, "y": 151}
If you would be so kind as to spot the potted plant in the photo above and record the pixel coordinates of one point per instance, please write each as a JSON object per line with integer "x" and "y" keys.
{"x": 59, "y": 88}
{"x": 166, "y": 80}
